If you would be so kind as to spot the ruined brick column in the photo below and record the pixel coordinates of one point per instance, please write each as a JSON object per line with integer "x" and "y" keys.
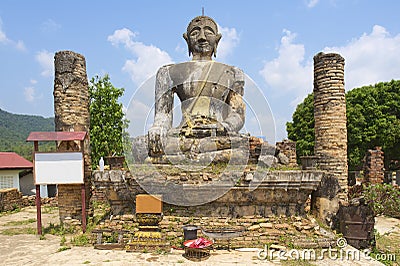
{"x": 374, "y": 170}
{"x": 330, "y": 133}
{"x": 71, "y": 109}
{"x": 288, "y": 147}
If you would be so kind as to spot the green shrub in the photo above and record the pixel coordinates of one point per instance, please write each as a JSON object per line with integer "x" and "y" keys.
{"x": 384, "y": 199}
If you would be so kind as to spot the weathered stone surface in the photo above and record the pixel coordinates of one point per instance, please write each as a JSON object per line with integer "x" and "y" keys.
{"x": 266, "y": 225}
{"x": 267, "y": 160}
{"x": 288, "y": 148}
{"x": 253, "y": 227}
{"x": 139, "y": 149}
{"x": 374, "y": 166}
{"x": 330, "y": 133}
{"x": 10, "y": 199}
{"x": 210, "y": 92}
{"x": 268, "y": 149}
{"x": 280, "y": 192}
{"x": 71, "y": 110}
{"x": 283, "y": 159}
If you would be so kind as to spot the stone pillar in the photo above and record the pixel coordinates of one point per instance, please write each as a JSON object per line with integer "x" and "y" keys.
{"x": 374, "y": 170}
{"x": 71, "y": 110}
{"x": 330, "y": 133}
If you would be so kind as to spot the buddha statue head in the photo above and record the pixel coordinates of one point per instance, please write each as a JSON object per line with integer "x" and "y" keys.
{"x": 202, "y": 38}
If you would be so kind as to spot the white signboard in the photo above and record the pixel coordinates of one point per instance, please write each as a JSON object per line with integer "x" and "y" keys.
{"x": 59, "y": 168}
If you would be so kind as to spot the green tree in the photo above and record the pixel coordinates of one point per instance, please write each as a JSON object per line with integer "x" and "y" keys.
{"x": 301, "y": 129}
{"x": 107, "y": 122}
{"x": 373, "y": 119}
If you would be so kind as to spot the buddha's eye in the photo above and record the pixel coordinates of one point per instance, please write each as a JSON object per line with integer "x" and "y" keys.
{"x": 208, "y": 32}
{"x": 194, "y": 33}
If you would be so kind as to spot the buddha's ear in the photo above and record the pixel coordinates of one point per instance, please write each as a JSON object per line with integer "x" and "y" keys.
{"x": 185, "y": 36}
{"x": 217, "y": 39}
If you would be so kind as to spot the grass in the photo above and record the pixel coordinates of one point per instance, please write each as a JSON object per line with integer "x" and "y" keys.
{"x": 49, "y": 209}
{"x": 24, "y": 222}
{"x": 80, "y": 240}
{"x": 387, "y": 249}
{"x": 57, "y": 230}
{"x": 63, "y": 241}
{"x": 19, "y": 231}
{"x": 16, "y": 210}
{"x": 63, "y": 248}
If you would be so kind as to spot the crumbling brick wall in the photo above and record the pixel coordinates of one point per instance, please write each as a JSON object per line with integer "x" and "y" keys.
{"x": 374, "y": 170}
{"x": 288, "y": 147}
{"x": 10, "y": 199}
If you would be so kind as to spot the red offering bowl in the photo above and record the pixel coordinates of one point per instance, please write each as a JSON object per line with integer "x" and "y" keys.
{"x": 198, "y": 243}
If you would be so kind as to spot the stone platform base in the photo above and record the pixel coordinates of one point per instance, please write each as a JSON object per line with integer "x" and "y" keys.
{"x": 294, "y": 231}
{"x": 212, "y": 193}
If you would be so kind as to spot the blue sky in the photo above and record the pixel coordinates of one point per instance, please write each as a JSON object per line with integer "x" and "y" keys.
{"x": 273, "y": 42}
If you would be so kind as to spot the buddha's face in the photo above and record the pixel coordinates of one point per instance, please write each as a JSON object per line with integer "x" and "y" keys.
{"x": 202, "y": 38}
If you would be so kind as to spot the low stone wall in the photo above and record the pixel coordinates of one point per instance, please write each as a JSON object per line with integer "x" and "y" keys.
{"x": 10, "y": 199}
{"x": 277, "y": 193}
{"x": 294, "y": 231}
{"x": 31, "y": 201}
{"x": 118, "y": 187}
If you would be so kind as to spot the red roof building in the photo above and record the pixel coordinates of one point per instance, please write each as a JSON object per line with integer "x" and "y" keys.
{"x": 11, "y": 165}
{"x": 11, "y": 160}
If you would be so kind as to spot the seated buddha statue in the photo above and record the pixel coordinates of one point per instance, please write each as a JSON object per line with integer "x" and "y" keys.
{"x": 210, "y": 93}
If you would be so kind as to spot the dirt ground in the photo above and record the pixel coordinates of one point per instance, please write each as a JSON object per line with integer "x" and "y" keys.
{"x": 20, "y": 246}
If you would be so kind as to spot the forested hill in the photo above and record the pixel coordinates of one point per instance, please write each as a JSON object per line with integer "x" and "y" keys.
{"x": 14, "y": 129}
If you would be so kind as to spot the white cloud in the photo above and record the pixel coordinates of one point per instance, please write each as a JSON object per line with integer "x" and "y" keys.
{"x": 140, "y": 116}
{"x": 3, "y": 36}
{"x": 147, "y": 58}
{"x": 289, "y": 72}
{"x": 370, "y": 58}
{"x": 19, "y": 45}
{"x": 46, "y": 61}
{"x": 230, "y": 39}
{"x": 50, "y": 26}
{"x": 181, "y": 49}
{"x": 312, "y": 3}
{"x": 29, "y": 93}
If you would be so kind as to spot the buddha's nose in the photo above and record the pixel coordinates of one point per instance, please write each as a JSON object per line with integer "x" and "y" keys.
{"x": 202, "y": 36}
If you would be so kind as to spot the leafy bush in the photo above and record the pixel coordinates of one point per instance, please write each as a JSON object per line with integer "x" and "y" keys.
{"x": 384, "y": 199}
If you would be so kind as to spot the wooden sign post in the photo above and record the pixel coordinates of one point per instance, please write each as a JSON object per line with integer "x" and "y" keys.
{"x": 58, "y": 167}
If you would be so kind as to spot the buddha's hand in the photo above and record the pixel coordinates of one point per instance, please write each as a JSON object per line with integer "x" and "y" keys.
{"x": 155, "y": 138}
